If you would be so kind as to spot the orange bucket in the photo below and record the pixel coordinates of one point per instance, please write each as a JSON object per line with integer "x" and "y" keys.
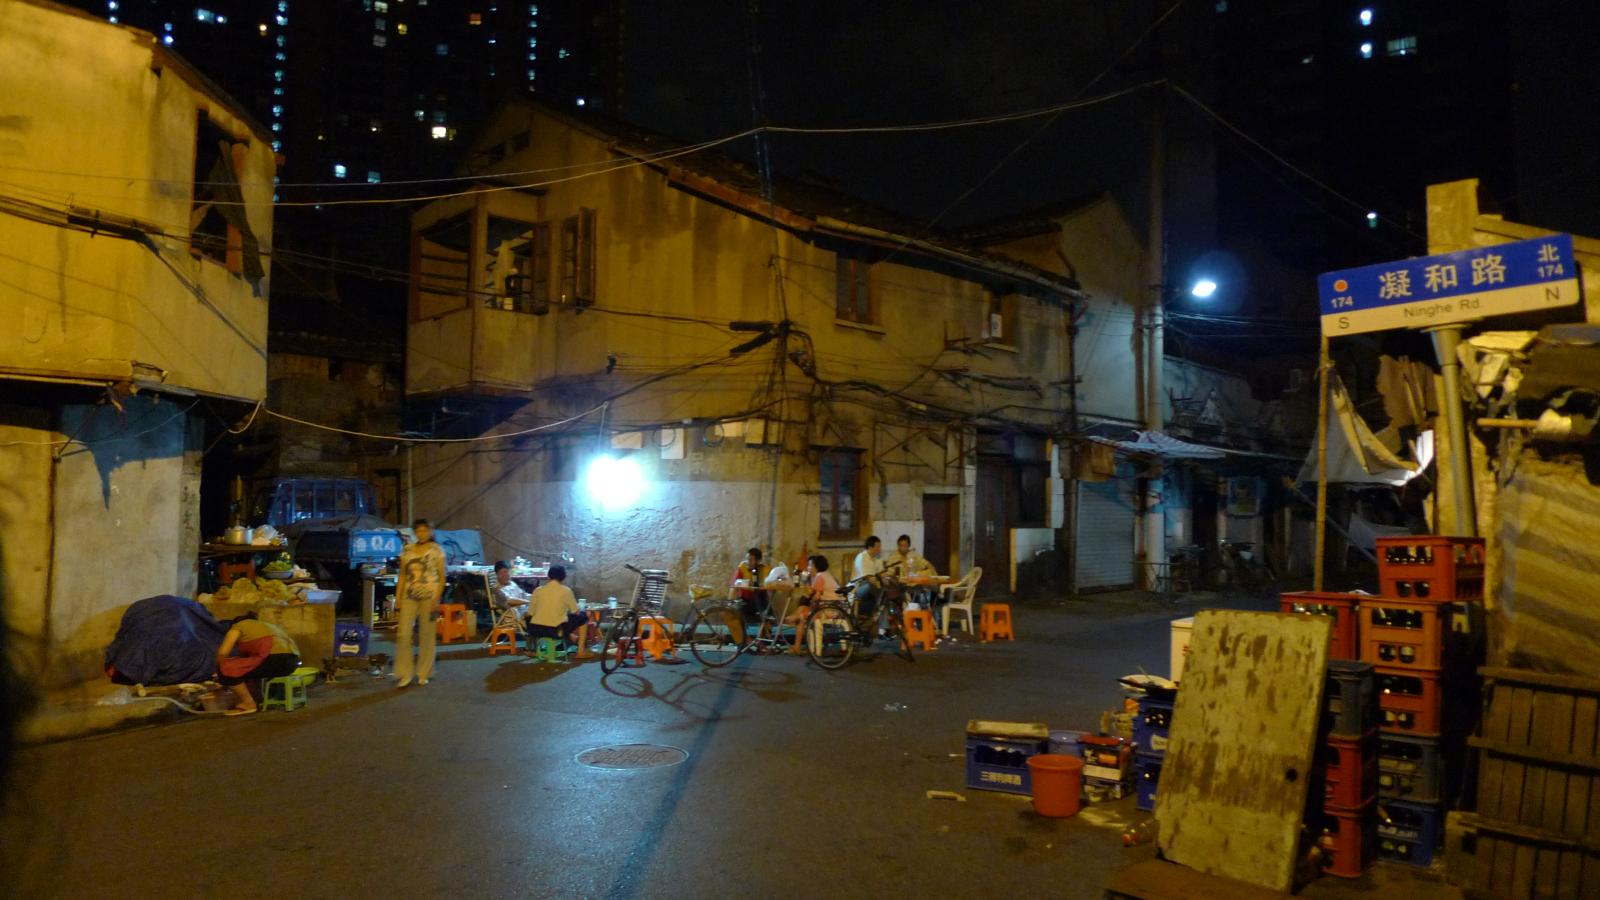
{"x": 1057, "y": 781}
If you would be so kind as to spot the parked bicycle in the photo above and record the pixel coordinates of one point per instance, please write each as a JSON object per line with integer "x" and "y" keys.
{"x": 715, "y": 633}
{"x": 837, "y": 629}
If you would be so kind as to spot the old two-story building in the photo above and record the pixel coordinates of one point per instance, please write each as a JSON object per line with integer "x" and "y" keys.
{"x": 135, "y": 222}
{"x": 645, "y": 353}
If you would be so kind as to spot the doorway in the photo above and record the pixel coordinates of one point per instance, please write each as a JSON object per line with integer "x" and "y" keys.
{"x": 992, "y": 529}
{"x": 938, "y": 532}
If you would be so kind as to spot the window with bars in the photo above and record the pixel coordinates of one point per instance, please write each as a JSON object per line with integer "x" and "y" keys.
{"x": 840, "y": 475}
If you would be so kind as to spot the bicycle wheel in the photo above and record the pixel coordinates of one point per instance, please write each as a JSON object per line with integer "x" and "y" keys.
{"x": 717, "y": 636}
{"x": 620, "y": 642}
{"x": 830, "y": 635}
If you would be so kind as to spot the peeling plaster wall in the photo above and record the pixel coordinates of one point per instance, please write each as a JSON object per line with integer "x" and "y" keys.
{"x": 25, "y": 528}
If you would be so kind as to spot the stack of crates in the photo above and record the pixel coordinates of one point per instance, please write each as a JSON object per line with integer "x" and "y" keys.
{"x": 1151, "y": 726}
{"x": 1347, "y": 769}
{"x": 1343, "y": 609}
{"x": 1107, "y": 767}
{"x": 1427, "y": 584}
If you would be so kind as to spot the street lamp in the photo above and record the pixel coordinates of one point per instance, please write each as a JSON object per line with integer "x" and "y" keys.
{"x": 1203, "y": 288}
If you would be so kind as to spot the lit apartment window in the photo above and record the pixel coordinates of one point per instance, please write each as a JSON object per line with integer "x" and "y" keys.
{"x": 421, "y": 114}
{"x": 380, "y": 24}
{"x": 111, "y": 4}
{"x": 279, "y": 56}
{"x": 474, "y": 18}
{"x": 1365, "y": 17}
{"x": 277, "y": 126}
{"x": 438, "y": 117}
{"x": 373, "y": 177}
{"x": 563, "y": 53}
{"x": 440, "y": 132}
{"x": 277, "y": 92}
{"x": 277, "y": 110}
{"x": 166, "y": 26}
{"x": 531, "y": 74}
{"x": 282, "y": 20}
{"x": 375, "y": 125}
{"x": 442, "y": 49}
{"x": 533, "y": 42}
{"x": 339, "y": 170}
{"x": 283, "y": 6}
{"x": 112, "y": 20}
{"x": 166, "y": 39}
{"x": 280, "y": 40}
{"x": 533, "y": 9}
{"x": 582, "y": 102}
{"x": 205, "y": 15}
{"x": 276, "y": 146}
{"x": 1402, "y": 46}
{"x": 380, "y": 6}
{"x": 380, "y": 40}
{"x": 400, "y": 28}
{"x": 222, "y": 20}
{"x": 263, "y": 27}
{"x": 1366, "y": 50}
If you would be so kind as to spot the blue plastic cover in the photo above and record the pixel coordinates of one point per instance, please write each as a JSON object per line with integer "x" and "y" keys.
{"x": 165, "y": 640}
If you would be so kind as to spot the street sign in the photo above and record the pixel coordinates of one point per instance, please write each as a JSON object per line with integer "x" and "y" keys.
{"x": 1451, "y": 287}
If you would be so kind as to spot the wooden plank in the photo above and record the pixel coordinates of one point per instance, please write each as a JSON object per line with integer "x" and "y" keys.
{"x": 1491, "y": 769}
{"x": 1535, "y": 776}
{"x": 1485, "y": 875}
{"x": 1522, "y": 870}
{"x": 1530, "y": 678}
{"x": 1569, "y": 876}
{"x": 1546, "y": 863}
{"x": 1514, "y": 775}
{"x": 1555, "y": 736}
{"x": 1154, "y": 879}
{"x": 1588, "y": 762}
{"x": 1525, "y": 834}
{"x": 1233, "y": 787}
{"x": 1579, "y": 787}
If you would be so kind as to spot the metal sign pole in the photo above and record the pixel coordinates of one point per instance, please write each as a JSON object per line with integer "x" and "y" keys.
{"x": 1445, "y": 341}
{"x": 1323, "y": 365}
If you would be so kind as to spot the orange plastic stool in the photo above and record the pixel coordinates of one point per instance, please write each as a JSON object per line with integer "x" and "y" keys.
{"x": 655, "y": 636}
{"x": 995, "y": 622}
{"x": 229, "y": 572}
{"x": 509, "y": 645}
{"x": 920, "y": 632}
{"x": 452, "y": 623}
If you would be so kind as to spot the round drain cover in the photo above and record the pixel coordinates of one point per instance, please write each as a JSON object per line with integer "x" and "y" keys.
{"x": 632, "y": 756}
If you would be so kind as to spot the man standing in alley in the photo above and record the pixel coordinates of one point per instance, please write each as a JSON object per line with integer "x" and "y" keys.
{"x": 420, "y": 585}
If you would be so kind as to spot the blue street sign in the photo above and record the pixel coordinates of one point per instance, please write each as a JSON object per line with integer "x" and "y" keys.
{"x": 1540, "y": 273}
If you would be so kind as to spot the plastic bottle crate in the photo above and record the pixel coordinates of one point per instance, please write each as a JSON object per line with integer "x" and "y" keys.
{"x": 1152, "y": 724}
{"x": 1409, "y": 832}
{"x": 1409, "y": 700}
{"x": 1342, "y": 608}
{"x": 1350, "y": 704}
{"x": 1348, "y": 768}
{"x": 1409, "y": 768}
{"x": 1001, "y": 764}
{"x": 350, "y": 638}
{"x": 1405, "y": 634}
{"x": 1431, "y": 567}
{"x": 1147, "y": 775}
{"x": 1348, "y": 839}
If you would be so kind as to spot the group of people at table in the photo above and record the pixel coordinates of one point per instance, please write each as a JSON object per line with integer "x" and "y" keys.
{"x": 552, "y": 611}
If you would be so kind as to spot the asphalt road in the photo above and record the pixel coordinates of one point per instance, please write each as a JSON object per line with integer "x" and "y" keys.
{"x": 798, "y": 782}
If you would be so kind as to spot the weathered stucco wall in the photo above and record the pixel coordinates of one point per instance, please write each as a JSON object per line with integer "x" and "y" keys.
{"x": 25, "y": 528}
{"x": 80, "y": 99}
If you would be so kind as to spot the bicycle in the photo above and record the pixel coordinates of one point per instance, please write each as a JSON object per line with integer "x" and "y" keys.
{"x": 836, "y": 629}
{"x": 715, "y": 634}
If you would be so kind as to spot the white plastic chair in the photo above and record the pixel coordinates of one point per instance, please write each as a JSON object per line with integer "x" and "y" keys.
{"x": 960, "y": 597}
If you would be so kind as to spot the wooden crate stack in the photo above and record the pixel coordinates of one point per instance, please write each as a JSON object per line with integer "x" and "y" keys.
{"x": 1536, "y": 832}
{"x": 1426, "y": 682}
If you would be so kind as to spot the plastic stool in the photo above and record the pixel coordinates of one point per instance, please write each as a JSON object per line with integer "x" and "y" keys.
{"x": 229, "y": 572}
{"x": 655, "y": 636}
{"x": 291, "y": 692}
{"x": 548, "y": 650}
{"x": 451, "y": 625}
{"x": 509, "y": 645}
{"x": 920, "y": 631}
{"x": 995, "y": 622}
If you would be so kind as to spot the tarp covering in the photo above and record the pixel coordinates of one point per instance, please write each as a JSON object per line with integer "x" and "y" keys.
{"x": 460, "y": 546}
{"x": 1549, "y": 515}
{"x": 1165, "y": 446}
{"x": 165, "y": 640}
{"x": 1357, "y": 456}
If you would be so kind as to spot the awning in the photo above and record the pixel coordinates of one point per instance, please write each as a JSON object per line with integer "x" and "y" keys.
{"x": 1357, "y": 456}
{"x": 1164, "y": 446}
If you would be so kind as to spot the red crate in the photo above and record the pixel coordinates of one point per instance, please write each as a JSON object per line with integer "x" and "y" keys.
{"x": 1342, "y": 608}
{"x": 1349, "y": 770}
{"x": 1430, "y": 567}
{"x": 1409, "y": 700}
{"x": 1349, "y": 840}
{"x": 1405, "y": 634}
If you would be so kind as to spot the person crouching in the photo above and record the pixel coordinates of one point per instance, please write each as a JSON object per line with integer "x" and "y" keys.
{"x": 553, "y": 611}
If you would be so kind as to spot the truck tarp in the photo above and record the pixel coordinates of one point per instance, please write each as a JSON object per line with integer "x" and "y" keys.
{"x": 460, "y": 546}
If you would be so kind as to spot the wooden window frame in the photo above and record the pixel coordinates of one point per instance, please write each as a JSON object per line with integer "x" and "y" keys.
{"x": 829, "y": 526}
{"x": 231, "y": 254}
{"x": 577, "y": 259}
{"x": 853, "y": 295}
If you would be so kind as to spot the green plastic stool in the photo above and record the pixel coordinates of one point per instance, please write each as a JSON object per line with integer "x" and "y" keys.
{"x": 291, "y": 693}
{"x": 547, "y": 650}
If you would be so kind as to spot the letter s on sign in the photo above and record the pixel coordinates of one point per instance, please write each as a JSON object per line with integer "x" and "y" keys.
{"x": 1344, "y": 322}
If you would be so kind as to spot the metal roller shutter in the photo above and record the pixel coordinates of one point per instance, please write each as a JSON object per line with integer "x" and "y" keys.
{"x": 1105, "y": 534}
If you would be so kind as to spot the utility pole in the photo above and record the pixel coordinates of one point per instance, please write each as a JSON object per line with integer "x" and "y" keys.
{"x": 1154, "y": 528}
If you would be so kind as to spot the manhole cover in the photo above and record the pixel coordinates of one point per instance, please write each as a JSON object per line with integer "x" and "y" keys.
{"x": 632, "y": 756}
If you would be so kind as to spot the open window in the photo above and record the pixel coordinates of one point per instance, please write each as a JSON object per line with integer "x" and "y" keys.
{"x": 440, "y": 261}
{"x": 1000, "y": 318}
{"x": 853, "y": 295}
{"x": 516, "y": 274}
{"x": 218, "y": 227}
{"x": 578, "y": 259}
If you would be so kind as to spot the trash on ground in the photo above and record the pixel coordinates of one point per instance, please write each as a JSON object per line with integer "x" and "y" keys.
{"x": 946, "y": 795}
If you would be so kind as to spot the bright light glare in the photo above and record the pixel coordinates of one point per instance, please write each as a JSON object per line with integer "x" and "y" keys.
{"x": 1366, "y": 17}
{"x": 613, "y": 483}
{"x": 1203, "y": 288}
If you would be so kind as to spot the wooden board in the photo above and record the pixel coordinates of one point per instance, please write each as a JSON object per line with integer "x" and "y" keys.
{"x": 1233, "y": 787}
{"x": 1157, "y": 880}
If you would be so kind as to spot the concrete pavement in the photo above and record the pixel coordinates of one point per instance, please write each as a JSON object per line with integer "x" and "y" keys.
{"x": 798, "y": 781}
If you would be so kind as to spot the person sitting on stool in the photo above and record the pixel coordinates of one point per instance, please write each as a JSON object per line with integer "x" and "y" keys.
{"x": 553, "y": 611}
{"x": 253, "y": 650}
